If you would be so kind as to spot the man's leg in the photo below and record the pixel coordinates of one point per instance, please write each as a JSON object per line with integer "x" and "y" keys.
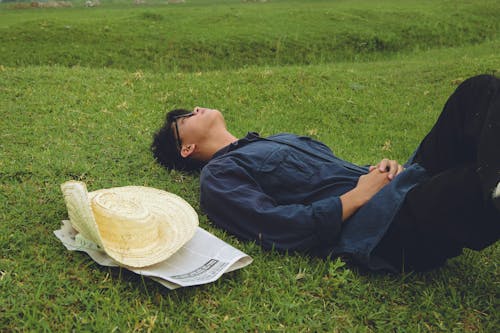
{"x": 438, "y": 219}
{"x": 489, "y": 152}
{"x": 454, "y": 209}
{"x": 467, "y": 132}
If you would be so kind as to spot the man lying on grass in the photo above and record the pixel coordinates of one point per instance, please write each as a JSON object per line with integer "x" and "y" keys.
{"x": 291, "y": 193}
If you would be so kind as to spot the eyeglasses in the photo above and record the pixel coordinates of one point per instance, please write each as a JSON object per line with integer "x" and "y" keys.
{"x": 174, "y": 120}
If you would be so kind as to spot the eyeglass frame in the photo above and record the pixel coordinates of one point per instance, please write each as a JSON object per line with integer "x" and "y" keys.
{"x": 174, "y": 120}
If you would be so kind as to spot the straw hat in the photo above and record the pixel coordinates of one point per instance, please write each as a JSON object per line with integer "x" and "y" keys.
{"x": 135, "y": 225}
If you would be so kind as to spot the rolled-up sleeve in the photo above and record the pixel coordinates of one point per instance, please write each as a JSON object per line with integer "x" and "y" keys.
{"x": 234, "y": 201}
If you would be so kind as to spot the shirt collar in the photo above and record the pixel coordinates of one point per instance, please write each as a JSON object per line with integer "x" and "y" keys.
{"x": 250, "y": 137}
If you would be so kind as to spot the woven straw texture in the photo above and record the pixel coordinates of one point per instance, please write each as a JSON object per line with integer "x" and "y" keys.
{"x": 135, "y": 225}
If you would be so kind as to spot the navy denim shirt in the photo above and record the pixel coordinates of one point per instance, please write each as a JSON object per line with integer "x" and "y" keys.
{"x": 283, "y": 192}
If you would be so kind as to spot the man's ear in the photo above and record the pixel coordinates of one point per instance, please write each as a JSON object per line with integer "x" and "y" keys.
{"x": 187, "y": 150}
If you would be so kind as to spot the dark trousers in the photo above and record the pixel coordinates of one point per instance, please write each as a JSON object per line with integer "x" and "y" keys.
{"x": 454, "y": 208}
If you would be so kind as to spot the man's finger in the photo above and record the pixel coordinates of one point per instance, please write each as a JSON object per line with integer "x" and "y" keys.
{"x": 382, "y": 166}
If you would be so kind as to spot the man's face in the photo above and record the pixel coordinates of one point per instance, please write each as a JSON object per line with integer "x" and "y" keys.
{"x": 196, "y": 126}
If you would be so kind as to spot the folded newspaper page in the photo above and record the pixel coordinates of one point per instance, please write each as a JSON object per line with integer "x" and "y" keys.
{"x": 201, "y": 260}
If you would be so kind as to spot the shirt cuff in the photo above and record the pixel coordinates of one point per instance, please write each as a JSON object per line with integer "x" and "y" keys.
{"x": 327, "y": 214}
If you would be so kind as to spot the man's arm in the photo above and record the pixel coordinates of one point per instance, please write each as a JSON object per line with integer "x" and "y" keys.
{"x": 235, "y": 202}
{"x": 368, "y": 185}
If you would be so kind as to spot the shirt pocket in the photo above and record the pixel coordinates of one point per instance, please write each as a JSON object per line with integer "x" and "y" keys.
{"x": 286, "y": 169}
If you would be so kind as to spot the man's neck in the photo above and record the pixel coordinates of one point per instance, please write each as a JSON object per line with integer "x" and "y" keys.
{"x": 222, "y": 140}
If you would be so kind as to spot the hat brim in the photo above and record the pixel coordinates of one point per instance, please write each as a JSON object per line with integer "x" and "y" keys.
{"x": 177, "y": 222}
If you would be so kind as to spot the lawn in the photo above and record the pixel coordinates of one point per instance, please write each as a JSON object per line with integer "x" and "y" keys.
{"x": 83, "y": 89}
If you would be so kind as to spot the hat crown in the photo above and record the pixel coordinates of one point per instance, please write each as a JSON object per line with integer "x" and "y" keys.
{"x": 111, "y": 204}
{"x": 123, "y": 222}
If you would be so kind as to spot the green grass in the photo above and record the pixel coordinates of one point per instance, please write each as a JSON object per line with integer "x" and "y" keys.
{"x": 62, "y": 121}
{"x": 195, "y": 36}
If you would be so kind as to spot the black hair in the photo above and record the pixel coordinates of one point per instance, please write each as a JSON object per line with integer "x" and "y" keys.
{"x": 165, "y": 150}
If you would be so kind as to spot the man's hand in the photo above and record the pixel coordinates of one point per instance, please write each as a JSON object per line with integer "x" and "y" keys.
{"x": 391, "y": 167}
{"x": 368, "y": 185}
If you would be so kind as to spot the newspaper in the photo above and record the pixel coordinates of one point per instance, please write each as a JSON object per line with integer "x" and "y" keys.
{"x": 201, "y": 260}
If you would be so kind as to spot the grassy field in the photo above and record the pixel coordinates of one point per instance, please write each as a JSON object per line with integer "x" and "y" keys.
{"x": 83, "y": 89}
{"x": 203, "y": 35}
